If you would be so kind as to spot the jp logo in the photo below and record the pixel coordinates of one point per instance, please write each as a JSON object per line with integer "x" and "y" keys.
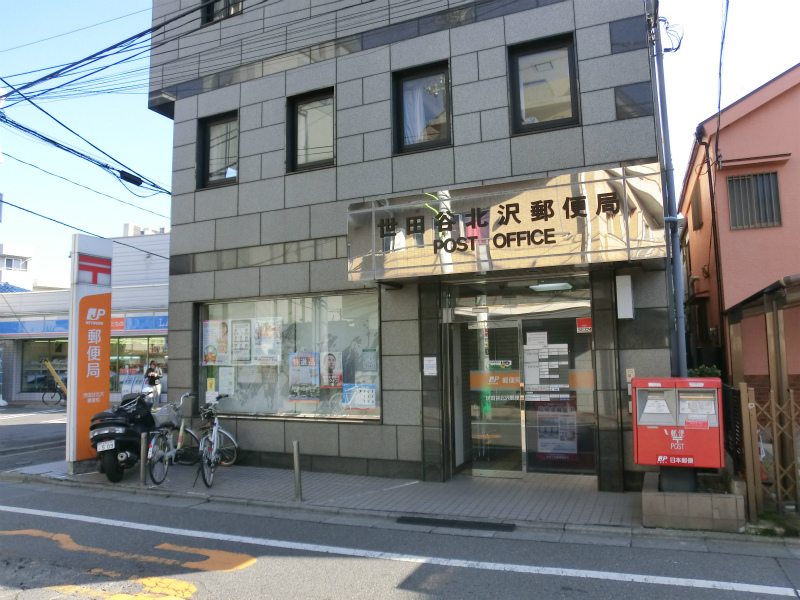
{"x": 93, "y": 314}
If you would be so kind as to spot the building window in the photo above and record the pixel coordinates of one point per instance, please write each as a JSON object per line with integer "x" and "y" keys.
{"x": 313, "y": 357}
{"x": 754, "y": 201}
{"x": 422, "y": 108}
{"x": 697, "y": 207}
{"x": 221, "y": 9}
{"x": 634, "y": 100}
{"x": 311, "y": 134}
{"x": 220, "y": 148}
{"x": 16, "y": 264}
{"x": 544, "y": 90}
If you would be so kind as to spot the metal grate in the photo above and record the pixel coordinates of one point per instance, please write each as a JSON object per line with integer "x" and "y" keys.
{"x": 754, "y": 201}
{"x": 732, "y": 424}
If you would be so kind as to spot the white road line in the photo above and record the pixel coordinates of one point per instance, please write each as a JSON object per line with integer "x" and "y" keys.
{"x": 34, "y": 414}
{"x": 55, "y": 421}
{"x": 427, "y": 560}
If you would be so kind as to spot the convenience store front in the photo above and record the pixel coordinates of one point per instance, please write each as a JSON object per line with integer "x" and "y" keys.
{"x": 522, "y": 345}
{"x": 137, "y": 339}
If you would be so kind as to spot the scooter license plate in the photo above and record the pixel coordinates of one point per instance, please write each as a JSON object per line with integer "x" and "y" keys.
{"x": 101, "y": 446}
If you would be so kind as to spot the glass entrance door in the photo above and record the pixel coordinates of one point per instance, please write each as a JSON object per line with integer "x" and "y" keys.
{"x": 522, "y": 378}
{"x": 490, "y": 369}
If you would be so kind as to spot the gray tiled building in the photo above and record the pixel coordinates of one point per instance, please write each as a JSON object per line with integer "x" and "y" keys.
{"x": 421, "y": 238}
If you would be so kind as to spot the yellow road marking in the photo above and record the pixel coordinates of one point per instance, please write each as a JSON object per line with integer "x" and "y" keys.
{"x": 216, "y": 560}
{"x": 66, "y": 542}
{"x": 161, "y": 588}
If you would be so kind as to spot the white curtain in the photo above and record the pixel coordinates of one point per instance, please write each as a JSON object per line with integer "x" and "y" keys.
{"x": 414, "y": 121}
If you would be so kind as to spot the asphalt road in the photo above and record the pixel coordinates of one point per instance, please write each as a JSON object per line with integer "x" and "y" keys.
{"x": 31, "y": 435}
{"x": 58, "y": 542}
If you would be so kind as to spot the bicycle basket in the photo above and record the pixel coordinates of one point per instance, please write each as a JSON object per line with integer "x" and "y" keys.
{"x": 167, "y": 417}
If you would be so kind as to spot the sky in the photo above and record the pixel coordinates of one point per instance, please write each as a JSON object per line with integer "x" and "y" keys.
{"x": 759, "y": 45}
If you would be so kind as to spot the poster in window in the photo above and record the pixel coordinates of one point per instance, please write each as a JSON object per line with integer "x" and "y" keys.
{"x": 267, "y": 340}
{"x": 331, "y": 375}
{"x": 215, "y": 342}
{"x": 358, "y": 396}
{"x": 240, "y": 342}
{"x": 557, "y": 431}
{"x": 304, "y": 377}
{"x": 227, "y": 380}
{"x": 369, "y": 359}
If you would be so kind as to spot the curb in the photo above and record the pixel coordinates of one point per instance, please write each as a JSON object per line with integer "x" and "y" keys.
{"x": 529, "y": 526}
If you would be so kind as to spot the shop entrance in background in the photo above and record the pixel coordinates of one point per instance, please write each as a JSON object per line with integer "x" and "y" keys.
{"x": 522, "y": 379}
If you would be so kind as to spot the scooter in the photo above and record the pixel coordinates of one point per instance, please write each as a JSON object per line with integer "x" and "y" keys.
{"x": 116, "y": 433}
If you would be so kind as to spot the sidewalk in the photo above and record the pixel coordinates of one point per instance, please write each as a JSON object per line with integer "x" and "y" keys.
{"x": 547, "y": 500}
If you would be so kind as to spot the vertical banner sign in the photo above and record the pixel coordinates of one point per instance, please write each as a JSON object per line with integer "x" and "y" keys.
{"x": 89, "y": 359}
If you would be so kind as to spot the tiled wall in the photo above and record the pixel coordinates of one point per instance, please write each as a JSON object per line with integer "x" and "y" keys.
{"x": 275, "y": 233}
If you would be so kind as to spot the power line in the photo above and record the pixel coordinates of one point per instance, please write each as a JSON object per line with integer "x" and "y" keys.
{"x": 84, "y": 186}
{"x": 273, "y": 38}
{"x": 141, "y": 178}
{"x": 52, "y": 37}
{"x": 719, "y": 87}
{"x": 116, "y": 173}
{"x": 82, "y": 230}
{"x": 100, "y": 54}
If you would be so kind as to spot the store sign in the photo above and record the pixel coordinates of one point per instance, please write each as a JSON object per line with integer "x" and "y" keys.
{"x": 584, "y": 324}
{"x": 90, "y": 316}
{"x": 582, "y": 218}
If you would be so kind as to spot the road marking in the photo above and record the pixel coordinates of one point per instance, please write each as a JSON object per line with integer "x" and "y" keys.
{"x": 62, "y": 421}
{"x": 216, "y": 560}
{"x": 154, "y": 587}
{"x": 33, "y": 414}
{"x": 429, "y": 560}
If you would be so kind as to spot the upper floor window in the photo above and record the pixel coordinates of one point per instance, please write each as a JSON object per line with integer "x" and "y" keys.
{"x": 16, "y": 264}
{"x": 311, "y": 134}
{"x": 421, "y": 108}
{"x": 220, "y": 9}
{"x": 544, "y": 90}
{"x": 220, "y": 150}
{"x": 754, "y": 201}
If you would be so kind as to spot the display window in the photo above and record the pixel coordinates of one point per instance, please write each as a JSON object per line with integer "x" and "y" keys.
{"x": 311, "y": 357}
{"x": 35, "y": 376}
{"x": 129, "y": 357}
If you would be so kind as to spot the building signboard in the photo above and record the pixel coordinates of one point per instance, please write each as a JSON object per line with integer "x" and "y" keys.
{"x": 90, "y": 314}
{"x": 582, "y": 218}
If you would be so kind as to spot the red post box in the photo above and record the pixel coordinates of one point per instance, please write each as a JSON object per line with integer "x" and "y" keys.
{"x": 677, "y": 422}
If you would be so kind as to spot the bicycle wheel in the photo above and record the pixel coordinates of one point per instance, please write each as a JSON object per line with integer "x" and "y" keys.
{"x": 207, "y": 462}
{"x": 51, "y": 397}
{"x": 227, "y": 449}
{"x": 157, "y": 462}
{"x": 189, "y": 452}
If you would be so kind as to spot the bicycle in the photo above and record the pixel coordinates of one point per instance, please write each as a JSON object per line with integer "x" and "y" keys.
{"x": 53, "y": 394}
{"x": 162, "y": 450}
{"x": 217, "y": 447}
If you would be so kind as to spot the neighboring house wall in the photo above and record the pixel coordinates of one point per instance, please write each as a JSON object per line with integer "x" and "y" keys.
{"x": 759, "y": 257}
{"x": 759, "y": 134}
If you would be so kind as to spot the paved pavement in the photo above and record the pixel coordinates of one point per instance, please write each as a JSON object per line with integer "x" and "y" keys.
{"x": 555, "y": 500}
{"x": 544, "y": 507}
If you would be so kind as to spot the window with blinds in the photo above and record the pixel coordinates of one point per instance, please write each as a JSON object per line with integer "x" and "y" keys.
{"x": 754, "y": 201}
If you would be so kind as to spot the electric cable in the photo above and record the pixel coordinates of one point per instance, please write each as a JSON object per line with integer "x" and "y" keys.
{"x": 84, "y": 186}
{"x": 52, "y": 37}
{"x": 116, "y": 173}
{"x": 100, "y": 54}
{"x": 717, "y": 157}
{"x": 141, "y": 178}
{"x": 81, "y": 230}
{"x": 279, "y": 39}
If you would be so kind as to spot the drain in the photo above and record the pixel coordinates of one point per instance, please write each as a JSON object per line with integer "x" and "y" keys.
{"x": 456, "y": 524}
